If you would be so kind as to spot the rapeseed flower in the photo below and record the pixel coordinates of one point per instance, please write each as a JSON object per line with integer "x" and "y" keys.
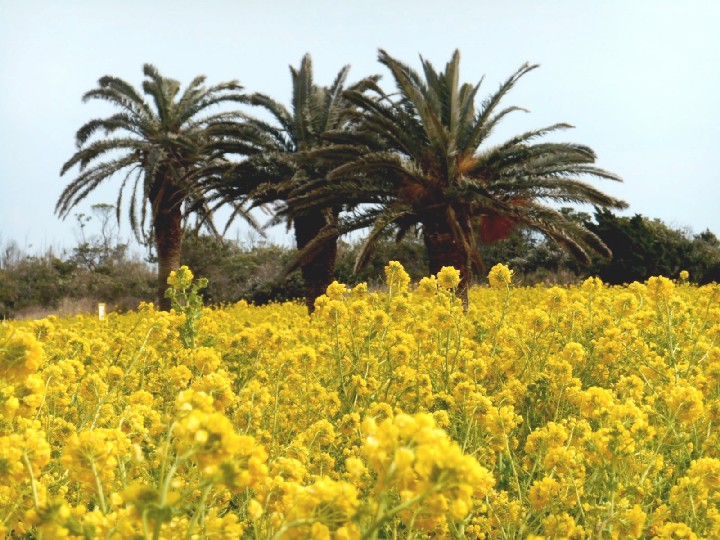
{"x": 546, "y": 412}
{"x": 448, "y": 277}
{"x": 543, "y": 493}
{"x": 20, "y": 355}
{"x": 396, "y": 277}
{"x": 180, "y": 279}
{"x": 500, "y": 276}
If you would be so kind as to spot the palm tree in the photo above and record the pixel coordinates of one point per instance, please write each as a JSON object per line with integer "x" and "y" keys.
{"x": 271, "y": 173}
{"x": 420, "y": 157}
{"x": 160, "y": 149}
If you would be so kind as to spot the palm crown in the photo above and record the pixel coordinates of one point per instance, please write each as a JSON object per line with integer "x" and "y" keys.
{"x": 160, "y": 149}
{"x": 418, "y": 157}
{"x": 272, "y": 172}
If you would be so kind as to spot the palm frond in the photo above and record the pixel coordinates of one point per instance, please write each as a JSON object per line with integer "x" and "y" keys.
{"x": 385, "y": 219}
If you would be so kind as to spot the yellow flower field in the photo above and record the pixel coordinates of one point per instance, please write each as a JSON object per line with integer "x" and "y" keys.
{"x": 562, "y": 412}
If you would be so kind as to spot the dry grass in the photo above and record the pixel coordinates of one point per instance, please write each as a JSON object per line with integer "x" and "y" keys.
{"x": 75, "y": 306}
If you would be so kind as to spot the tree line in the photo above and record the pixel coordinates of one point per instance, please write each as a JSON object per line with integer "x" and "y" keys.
{"x": 409, "y": 161}
{"x": 100, "y": 268}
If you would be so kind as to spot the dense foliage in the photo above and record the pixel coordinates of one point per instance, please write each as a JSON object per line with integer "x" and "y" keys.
{"x": 563, "y": 412}
{"x": 38, "y": 285}
{"x": 642, "y": 247}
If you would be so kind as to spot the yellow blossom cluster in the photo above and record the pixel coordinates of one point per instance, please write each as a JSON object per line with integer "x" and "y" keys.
{"x": 180, "y": 279}
{"x": 575, "y": 412}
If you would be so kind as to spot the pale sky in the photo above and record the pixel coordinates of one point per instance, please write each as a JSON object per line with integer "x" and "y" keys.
{"x": 640, "y": 80}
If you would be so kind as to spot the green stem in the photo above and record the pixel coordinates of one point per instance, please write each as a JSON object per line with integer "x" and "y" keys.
{"x": 502, "y": 320}
{"x": 651, "y": 461}
{"x": 198, "y": 510}
{"x": 28, "y": 466}
{"x": 98, "y": 485}
{"x": 146, "y": 528}
{"x": 379, "y": 521}
{"x": 163, "y": 466}
{"x": 339, "y": 355}
{"x": 290, "y": 525}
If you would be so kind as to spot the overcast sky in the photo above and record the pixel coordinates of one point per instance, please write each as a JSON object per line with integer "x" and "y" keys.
{"x": 640, "y": 80}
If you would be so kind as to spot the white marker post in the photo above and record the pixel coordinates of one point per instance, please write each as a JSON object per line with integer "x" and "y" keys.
{"x": 101, "y": 311}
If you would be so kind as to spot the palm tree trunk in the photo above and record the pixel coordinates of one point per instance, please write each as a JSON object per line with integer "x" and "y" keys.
{"x": 318, "y": 272}
{"x": 167, "y": 225}
{"x": 444, "y": 249}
